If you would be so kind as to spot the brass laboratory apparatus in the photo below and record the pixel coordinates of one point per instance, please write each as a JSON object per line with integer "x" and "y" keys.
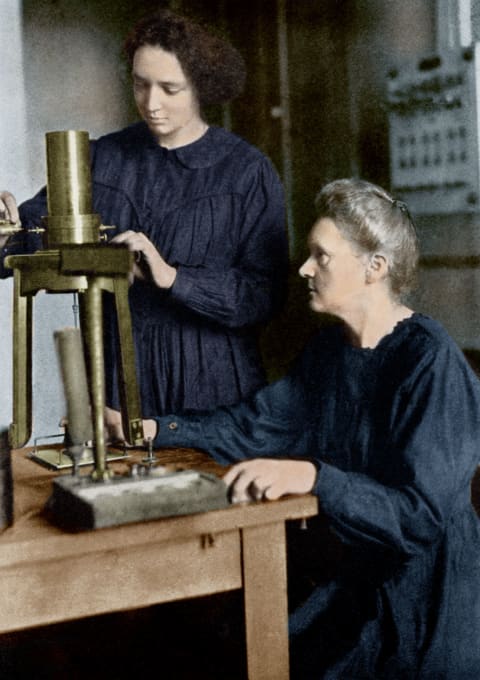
{"x": 75, "y": 259}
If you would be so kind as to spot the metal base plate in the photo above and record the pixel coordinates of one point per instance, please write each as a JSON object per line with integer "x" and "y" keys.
{"x": 57, "y": 459}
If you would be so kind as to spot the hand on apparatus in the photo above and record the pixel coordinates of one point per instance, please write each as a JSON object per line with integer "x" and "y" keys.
{"x": 112, "y": 421}
{"x": 146, "y": 255}
{"x": 267, "y": 478}
{"x": 8, "y": 211}
{"x": 114, "y": 430}
{"x": 8, "y": 207}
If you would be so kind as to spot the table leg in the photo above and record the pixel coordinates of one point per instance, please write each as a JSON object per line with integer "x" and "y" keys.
{"x": 265, "y": 595}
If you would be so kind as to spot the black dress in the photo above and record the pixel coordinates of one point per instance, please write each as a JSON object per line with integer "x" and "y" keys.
{"x": 215, "y": 211}
{"x": 396, "y": 434}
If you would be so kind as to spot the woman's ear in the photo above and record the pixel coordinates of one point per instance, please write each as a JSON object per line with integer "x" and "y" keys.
{"x": 377, "y": 268}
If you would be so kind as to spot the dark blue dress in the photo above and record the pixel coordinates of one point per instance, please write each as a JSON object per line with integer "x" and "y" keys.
{"x": 215, "y": 211}
{"x": 396, "y": 434}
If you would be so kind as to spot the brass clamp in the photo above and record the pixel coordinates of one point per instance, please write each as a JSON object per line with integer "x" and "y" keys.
{"x": 103, "y": 228}
{"x": 7, "y": 227}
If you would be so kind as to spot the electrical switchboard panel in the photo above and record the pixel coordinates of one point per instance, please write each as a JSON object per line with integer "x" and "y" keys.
{"x": 433, "y": 114}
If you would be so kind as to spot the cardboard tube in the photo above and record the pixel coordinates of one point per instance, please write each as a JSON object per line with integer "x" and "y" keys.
{"x": 72, "y": 365}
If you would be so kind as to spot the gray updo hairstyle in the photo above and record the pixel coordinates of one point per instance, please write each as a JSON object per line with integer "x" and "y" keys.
{"x": 374, "y": 222}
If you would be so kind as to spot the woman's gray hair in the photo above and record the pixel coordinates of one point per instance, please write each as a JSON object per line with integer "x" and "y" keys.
{"x": 375, "y": 222}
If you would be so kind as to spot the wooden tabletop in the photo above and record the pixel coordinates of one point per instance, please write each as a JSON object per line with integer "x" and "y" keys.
{"x": 32, "y": 487}
{"x": 48, "y": 575}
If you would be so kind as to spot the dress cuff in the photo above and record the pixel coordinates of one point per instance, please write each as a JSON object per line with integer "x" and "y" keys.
{"x": 173, "y": 431}
{"x": 182, "y": 286}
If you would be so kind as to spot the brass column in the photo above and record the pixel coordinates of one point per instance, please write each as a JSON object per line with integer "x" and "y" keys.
{"x": 75, "y": 260}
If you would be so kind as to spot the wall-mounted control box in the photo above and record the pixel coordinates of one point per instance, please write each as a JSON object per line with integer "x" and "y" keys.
{"x": 433, "y": 114}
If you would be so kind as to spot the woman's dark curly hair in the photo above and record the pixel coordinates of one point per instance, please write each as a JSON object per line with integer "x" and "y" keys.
{"x": 215, "y": 69}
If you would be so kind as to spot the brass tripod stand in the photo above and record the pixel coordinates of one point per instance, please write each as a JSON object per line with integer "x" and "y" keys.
{"x": 75, "y": 260}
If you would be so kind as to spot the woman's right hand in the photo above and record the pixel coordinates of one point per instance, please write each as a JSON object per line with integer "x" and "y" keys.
{"x": 8, "y": 207}
{"x": 8, "y": 212}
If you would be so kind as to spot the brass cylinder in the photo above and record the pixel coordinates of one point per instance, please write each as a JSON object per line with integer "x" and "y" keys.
{"x": 69, "y": 190}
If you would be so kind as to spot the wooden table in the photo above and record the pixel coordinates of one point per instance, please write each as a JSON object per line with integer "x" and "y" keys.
{"x": 241, "y": 547}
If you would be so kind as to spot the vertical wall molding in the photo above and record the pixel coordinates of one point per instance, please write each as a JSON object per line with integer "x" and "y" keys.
{"x": 454, "y": 22}
{"x": 283, "y": 73}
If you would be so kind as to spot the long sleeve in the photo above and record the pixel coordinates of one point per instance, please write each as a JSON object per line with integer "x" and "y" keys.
{"x": 428, "y": 462}
{"x": 266, "y": 425}
{"x": 396, "y": 459}
{"x": 250, "y": 289}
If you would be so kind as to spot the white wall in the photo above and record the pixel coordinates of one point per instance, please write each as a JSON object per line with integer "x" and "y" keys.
{"x": 13, "y": 167}
{"x": 60, "y": 66}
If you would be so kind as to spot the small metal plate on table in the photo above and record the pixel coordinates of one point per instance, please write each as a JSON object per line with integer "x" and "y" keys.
{"x": 57, "y": 459}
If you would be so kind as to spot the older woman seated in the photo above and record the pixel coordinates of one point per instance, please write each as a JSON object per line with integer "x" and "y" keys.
{"x": 379, "y": 418}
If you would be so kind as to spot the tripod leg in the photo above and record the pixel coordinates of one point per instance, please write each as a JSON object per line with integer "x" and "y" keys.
{"x": 128, "y": 388}
{"x": 21, "y": 427}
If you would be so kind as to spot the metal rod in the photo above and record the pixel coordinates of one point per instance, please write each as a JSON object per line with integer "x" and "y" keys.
{"x": 94, "y": 342}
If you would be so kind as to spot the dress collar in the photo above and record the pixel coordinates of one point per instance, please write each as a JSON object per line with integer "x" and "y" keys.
{"x": 210, "y": 149}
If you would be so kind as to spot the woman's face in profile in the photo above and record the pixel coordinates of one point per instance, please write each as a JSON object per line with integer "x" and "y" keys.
{"x": 164, "y": 96}
{"x": 336, "y": 272}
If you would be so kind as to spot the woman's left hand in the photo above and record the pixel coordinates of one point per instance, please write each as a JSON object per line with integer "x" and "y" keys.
{"x": 147, "y": 256}
{"x": 113, "y": 427}
{"x": 267, "y": 478}
{"x": 112, "y": 422}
